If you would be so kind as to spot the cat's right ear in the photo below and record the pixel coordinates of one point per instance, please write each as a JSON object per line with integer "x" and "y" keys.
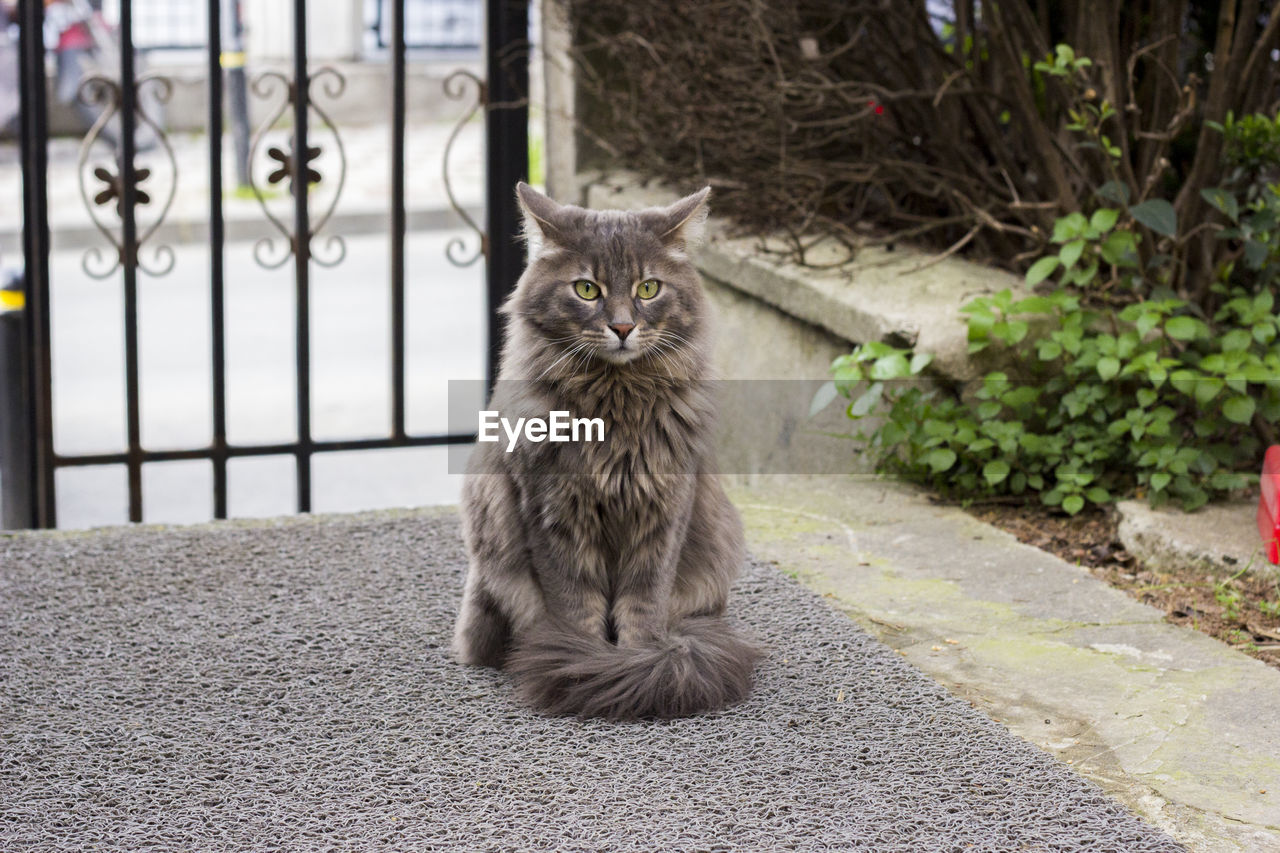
{"x": 541, "y": 216}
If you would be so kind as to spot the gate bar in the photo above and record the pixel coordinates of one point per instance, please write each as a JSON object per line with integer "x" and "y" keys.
{"x": 506, "y": 155}
{"x": 397, "y": 217}
{"x": 237, "y": 451}
{"x": 216, "y": 240}
{"x": 302, "y": 252}
{"x": 129, "y": 243}
{"x": 34, "y": 111}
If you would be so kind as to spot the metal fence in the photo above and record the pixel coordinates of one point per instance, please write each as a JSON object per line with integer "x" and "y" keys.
{"x": 28, "y": 480}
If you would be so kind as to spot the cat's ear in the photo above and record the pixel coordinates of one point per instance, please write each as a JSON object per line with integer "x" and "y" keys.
{"x": 682, "y": 223}
{"x": 541, "y": 216}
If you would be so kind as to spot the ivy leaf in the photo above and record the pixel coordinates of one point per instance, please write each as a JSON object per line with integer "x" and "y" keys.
{"x": 1071, "y": 252}
{"x": 1108, "y": 367}
{"x": 1223, "y": 201}
{"x": 1048, "y": 350}
{"x": 920, "y": 361}
{"x": 1181, "y": 328}
{"x": 1041, "y": 270}
{"x": 1069, "y": 227}
{"x": 1158, "y": 215}
{"x": 891, "y": 366}
{"x": 1073, "y": 504}
{"x": 1183, "y": 381}
{"x": 1120, "y": 249}
{"x": 1147, "y": 322}
{"x": 1033, "y": 305}
{"x": 995, "y": 471}
{"x": 1208, "y": 388}
{"x": 1159, "y": 480}
{"x": 1236, "y": 340}
{"x": 1255, "y": 254}
{"x": 1115, "y": 192}
{"x": 1239, "y": 409}
{"x": 1104, "y": 220}
{"x": 940, "y": 459}
{"x": 1098, "y": 495}
{"x": 825, "y": 394}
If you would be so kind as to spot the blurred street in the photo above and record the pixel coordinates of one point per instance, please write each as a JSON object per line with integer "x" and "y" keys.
{"x": 350, "y": 379}
{"x": 350, "y": 314}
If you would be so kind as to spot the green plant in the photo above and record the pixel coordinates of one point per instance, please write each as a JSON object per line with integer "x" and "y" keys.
{"x": 1147, "y": 399}
{"x": 1230, "y": 599}
{"x": 1125, "y": 387}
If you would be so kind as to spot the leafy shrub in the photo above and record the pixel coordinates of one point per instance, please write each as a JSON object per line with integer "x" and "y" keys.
{"x": 1148, "y": 399}
{"x": 1124, "y": 386}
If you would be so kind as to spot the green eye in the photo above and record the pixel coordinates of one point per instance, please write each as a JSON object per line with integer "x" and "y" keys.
{"x": 648, "y": 289}
{"x": 586, "y": 289}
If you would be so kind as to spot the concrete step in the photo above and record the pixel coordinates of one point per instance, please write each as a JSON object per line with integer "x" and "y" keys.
{"x": 1178, "y": 726}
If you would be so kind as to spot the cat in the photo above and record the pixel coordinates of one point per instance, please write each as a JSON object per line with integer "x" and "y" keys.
{"x": 599, "y": 572}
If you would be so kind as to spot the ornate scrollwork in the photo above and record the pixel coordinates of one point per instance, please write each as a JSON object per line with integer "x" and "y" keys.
{"x": 455, "y": 88}
{"x": 265, "y": 85}
{"x": 98, "y": 90}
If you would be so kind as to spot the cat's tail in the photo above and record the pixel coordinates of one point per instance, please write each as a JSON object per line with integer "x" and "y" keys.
{"x": 702, "y": 665}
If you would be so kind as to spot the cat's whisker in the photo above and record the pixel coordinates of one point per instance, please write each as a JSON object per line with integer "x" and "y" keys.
{"x": 660, "y": 350}
{"x": 667, "y": 344}
{"x": 669, "y": 335}
{"x": 573, "y": 350}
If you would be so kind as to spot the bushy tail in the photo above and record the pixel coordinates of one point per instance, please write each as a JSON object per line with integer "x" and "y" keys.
{"x": 701, "y": 666}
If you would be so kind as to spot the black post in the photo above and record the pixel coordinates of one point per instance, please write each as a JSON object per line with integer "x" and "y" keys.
{"x": 237, "y": 86}
{"x": 302, "y": 253}
{"x": 129, "y": 242}
{"x": 17, "y": 497}
{"x": 397, "y": 216}
{"x": 35, "y": 253}
{"x": 506, "y": 153}
{"x": 217, "y": 308}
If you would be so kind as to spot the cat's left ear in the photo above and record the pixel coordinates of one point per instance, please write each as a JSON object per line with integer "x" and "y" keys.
{"x": 682, "y": 223}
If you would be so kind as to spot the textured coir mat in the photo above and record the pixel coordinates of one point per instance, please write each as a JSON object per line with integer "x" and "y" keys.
{"x": 288, "y": 686}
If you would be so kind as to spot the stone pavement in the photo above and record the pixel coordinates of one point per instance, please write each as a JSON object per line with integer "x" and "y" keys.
{"x": 1220, "y": 537}
{"x": 1178, "y": 726}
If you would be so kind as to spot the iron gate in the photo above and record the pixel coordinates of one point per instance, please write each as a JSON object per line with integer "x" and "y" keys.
{"x": 30, "y": 497}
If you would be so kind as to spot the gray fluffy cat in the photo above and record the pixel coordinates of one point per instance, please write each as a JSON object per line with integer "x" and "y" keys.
{"x": 599, "y": 571}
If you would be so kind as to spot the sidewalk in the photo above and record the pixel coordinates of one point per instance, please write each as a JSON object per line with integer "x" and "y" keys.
{"x": 1179, "y": 727}
{"x": 362, "y": 207}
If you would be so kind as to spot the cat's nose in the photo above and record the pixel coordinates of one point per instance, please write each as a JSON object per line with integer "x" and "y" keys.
{"x": 622, "y": 329}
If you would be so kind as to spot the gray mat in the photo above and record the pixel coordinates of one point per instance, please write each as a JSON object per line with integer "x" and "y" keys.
{"x": 288, "y": 686}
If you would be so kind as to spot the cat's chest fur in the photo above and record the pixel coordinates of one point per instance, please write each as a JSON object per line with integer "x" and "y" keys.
{"x": 651, "y": 434}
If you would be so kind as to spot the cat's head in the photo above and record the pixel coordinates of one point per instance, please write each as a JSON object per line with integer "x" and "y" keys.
{"x": 610, "y": 287}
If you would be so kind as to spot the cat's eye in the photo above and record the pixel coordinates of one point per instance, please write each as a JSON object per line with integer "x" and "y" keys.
{"x": 586, "y": 289}
{"x": 648, "y": 288}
